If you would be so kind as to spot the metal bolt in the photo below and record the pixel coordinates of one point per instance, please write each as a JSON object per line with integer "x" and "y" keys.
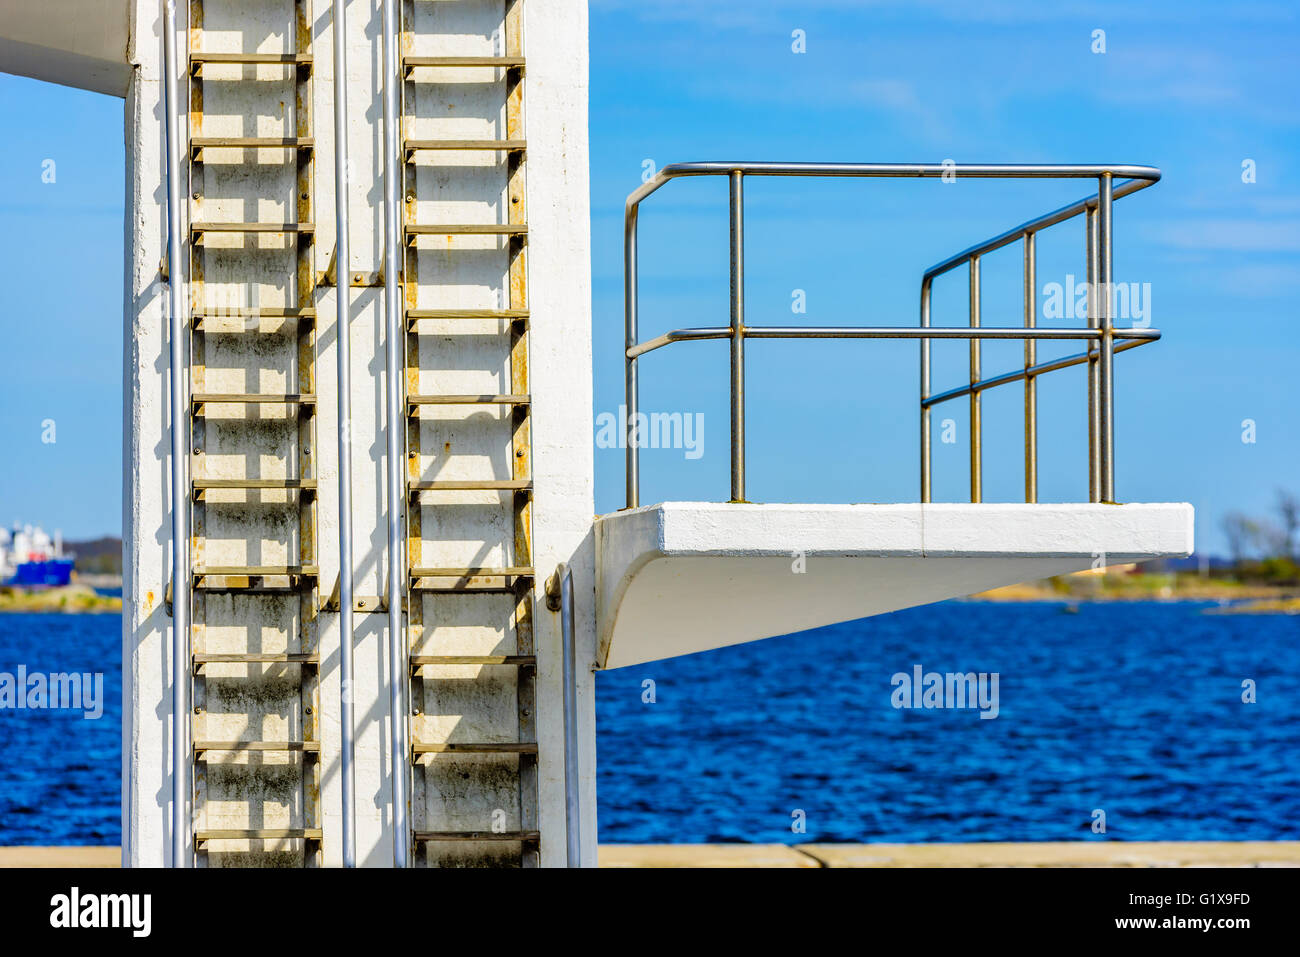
{"x": 198, "y": 451}
{"x": 308, "y": 710}
{"x": 198, "y": 710}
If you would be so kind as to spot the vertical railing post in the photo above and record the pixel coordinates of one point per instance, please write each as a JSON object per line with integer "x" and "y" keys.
{"x": 180, "y": 496}
{"x": 1031, "y": 358}
{"x": 925, "y": 391}
{"x": 631, "y": 397}
{"x": 342, "y": 345}
{"x": 1094, "y": 406}
{"x": 737, "y": 337}
{"x": 572, "y": 781}
{"x": 1106, "y": 390}
{"x": 976, "y": 426}
{"x": 398, "y": 652}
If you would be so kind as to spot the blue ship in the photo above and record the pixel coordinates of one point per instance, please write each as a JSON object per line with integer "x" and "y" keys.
{"x": 31, "y": 559}
{"x": 50, "y": 573}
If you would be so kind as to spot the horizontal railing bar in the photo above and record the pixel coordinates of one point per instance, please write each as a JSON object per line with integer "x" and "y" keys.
{"x": 899, "y": 170}
{"x": 883, "y": 332}
{"x": 1033, "y": 226}
{"x": 1021, "y": 374}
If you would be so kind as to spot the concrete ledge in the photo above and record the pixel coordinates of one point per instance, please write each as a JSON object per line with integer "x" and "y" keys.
{"x": 1054, "y": 854}
{"x": 703, "y": 855}
{"x": 684, "y": 577}
{"x": 60, "y": 857}
{"x": 1046, "y": 854}
{"x": 1061, "y": 854}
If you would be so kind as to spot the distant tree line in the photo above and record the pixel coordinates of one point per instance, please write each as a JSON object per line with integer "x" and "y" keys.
{"x": 101, "y": 556}
{"x": 1266, "y": 547}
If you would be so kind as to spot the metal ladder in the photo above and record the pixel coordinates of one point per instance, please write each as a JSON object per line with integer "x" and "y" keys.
{"x": 461, "y": 768}
{"x": 255, "y": 660}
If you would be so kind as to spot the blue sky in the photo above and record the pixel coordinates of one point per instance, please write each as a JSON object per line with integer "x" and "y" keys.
{"x": 1194, "y": 88}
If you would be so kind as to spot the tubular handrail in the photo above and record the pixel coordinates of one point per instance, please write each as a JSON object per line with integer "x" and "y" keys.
{"x": 1102, "y": 338}
{"x": 342, "y": 290}
{"x": 180, "y": 836}
{"x": 394, "y": 336}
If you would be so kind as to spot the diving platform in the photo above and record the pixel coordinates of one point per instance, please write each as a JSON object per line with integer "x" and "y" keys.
{"x": 682, "y": 577}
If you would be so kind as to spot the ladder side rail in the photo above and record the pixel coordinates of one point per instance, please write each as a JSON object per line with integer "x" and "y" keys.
{"x": 180, "y": 838}
{"x": 395, "y": 335}
{"x": 342, "y": 291}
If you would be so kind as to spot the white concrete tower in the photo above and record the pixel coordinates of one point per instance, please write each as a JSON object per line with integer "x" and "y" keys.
{"x": 496, "y": 317}
{"x": 493, "y": 431}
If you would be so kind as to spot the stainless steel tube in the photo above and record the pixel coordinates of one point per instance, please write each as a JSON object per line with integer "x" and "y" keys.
{"x": 1106, "y": 390}
{"x": 181, "y": 830}
{"x": 882, "y": 332}
{"x": 342, "y": 289}
{"x": 976, "y": 423}
{"x": 925, "y": 391}
{"x": 630, "y": 395}
{"x": 1031, "y": 359}
{"x": 1019, "y": 375}
{"x": 737, "y": 337}
{"x": 572, "y": 784}
{"x": 399, "y": 749}
{"x": 1094, "y": 404}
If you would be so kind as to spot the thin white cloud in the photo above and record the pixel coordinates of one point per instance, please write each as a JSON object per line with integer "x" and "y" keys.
{"x": 1230, "y": 235}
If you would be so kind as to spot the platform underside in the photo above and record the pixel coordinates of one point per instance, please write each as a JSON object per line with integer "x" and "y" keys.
{"x": 678, "y": 578}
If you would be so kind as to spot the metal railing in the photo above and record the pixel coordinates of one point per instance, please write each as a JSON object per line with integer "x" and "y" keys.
{"x": 1102, "y": 339}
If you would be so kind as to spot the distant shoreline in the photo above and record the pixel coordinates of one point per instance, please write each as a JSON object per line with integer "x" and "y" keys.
{"x": 1234, "y": 597}
{"x": 78, "y": 599}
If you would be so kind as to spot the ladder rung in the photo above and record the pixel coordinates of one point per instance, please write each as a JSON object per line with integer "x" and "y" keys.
{"x": 256, "y": 571}
{"x": 259, "y": 834}
{"x": 465, "y": 146}
{"x": 419, "y": 62}
{"x": 201, "y": 316}
{"x": 310, "y": 747}
{"x": 252, "y": 142}
{"x": 305, "y": 485}
{"x": 514, "y": 315}
{"x": 492, "y": 485}
{"x": 504, "y": 747}
{"x": 416, "y": 400}
{"x": 513, "y": 661}
{"x": 255, "y": 658}
{"x": 198, "y": 229}
{"x": 517, "y": 837}
{"x": 512, "y": 572}
{"x": 198, "y": 60}
{"x": 253, "y": 398}
{"x": 465, "y": 229}
{"x": 463, "y": 580}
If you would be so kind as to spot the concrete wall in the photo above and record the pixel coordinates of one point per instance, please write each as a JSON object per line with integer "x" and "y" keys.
{"x": 559, "y": 270}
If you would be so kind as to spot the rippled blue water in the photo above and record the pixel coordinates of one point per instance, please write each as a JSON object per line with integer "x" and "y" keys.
{"x": 1132, "y": 708}
{"x": 59, "y": 773}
